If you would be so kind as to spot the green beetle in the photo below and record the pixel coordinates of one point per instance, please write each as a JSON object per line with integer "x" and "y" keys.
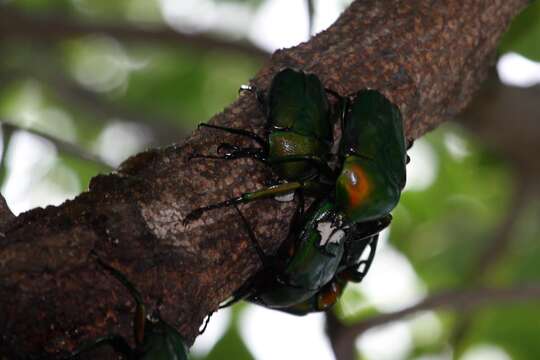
{"x": 154, "y": 338}
{"x": 368, "y": 184}
{"x": 298, "y": 138}
{"x": 301, "y": 276}
{"x": 352, "y": 268}
{"x": 373, "y": 155}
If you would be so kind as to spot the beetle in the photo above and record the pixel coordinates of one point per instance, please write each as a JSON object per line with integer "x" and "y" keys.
{"x": 305, "y": 274}
{"x": 298, "y": 138}
{"x": 373, "y": 156}
{"x": 154, "y": 338}
{"x": 311, "y": 267}
{"x": 348, "y": 271}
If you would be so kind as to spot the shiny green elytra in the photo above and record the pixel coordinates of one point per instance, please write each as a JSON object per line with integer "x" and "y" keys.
{"x": 374, "y": 156}
{"x": 353, "y": 267}
{"x": 307, "y": 260}
{"x": 301, "y": 276}
{"x": 297, "y": 142}
{"x": 298, "y": 117}
{"x": 154, "y": 338}
{"x": 304, "y": 278}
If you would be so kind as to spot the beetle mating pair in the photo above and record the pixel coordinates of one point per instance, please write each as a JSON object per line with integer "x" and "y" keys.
{"x": 352, "y": 201}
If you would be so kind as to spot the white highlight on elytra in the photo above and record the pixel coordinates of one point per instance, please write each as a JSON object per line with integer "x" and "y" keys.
{"x": 328, "y": 233}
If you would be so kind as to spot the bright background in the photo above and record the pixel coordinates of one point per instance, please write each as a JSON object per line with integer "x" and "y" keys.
{"x": 107, "y": 98}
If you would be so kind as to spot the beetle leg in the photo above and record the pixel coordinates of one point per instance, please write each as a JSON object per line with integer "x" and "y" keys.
{"x": 233, "y": 152}
{"x": 140, "y": 312}
{"x": 259, "y": 95}
{"x": 264, "y": 193}
{"x": 370, "y": 228}
{"x": 206, "y": 321}
{"x": 262, "y": 142}
{"x": 410, "y": 143}
{"x": 246, "y": 290}
{"x": 117, "y": 342}
{"x": 258, "y": 248}
{"x": 358, "y": 271}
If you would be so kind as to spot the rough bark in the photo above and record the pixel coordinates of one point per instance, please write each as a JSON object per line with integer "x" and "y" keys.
{"x": 427, "y": 56}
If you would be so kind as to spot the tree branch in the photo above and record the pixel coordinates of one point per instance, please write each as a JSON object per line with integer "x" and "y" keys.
{"x": 345, "y": 336}
{"x": 60, "y": 144}
{"x": 498, "y": 102}
{"x": 427, "y": 57}
{"x": 66, "y": 90}
{"x": 17, "y": 24}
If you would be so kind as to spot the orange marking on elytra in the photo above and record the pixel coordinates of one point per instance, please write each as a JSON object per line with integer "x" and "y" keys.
{"x": 357, "y": 185}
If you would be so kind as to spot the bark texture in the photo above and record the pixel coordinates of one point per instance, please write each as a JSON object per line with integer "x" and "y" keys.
{"x": 427, "y": 56}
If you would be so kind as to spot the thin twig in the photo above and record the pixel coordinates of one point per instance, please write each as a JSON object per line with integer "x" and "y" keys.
{"x": 61, "y": 145}
{"x": 502, "y": 239}
{"x": 452, "y": 299}
{"x": 74, "y": 95}
{"x": 456, "y": 299}
{"x": 14, "y": 23}
{"x": 492, "y": 256}
{"x": 311, "y": 16}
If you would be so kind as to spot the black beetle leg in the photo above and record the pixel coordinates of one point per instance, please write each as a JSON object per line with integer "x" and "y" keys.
{"x": 140, "y": 310}
{"x": 258, "y": 248}
{"x": 246, "y": 290}
{"x": 410, "y": 143}
{"x": 259, "y": 95}
{"x": 357, "y": 272}
{"x": 262, "y": 142}
{"x": 232, "y": 152}
{"x": 117, "y": 342}
{"x": 206, "y": 321}
{"x": 264, "y": 193}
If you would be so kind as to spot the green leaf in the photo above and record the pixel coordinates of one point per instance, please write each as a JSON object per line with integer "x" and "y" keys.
{"x": 523, "y": 36}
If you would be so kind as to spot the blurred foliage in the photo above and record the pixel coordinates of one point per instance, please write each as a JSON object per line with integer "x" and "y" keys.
{"x": 441, "y": 229}
{"x": 523, "y": 36}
